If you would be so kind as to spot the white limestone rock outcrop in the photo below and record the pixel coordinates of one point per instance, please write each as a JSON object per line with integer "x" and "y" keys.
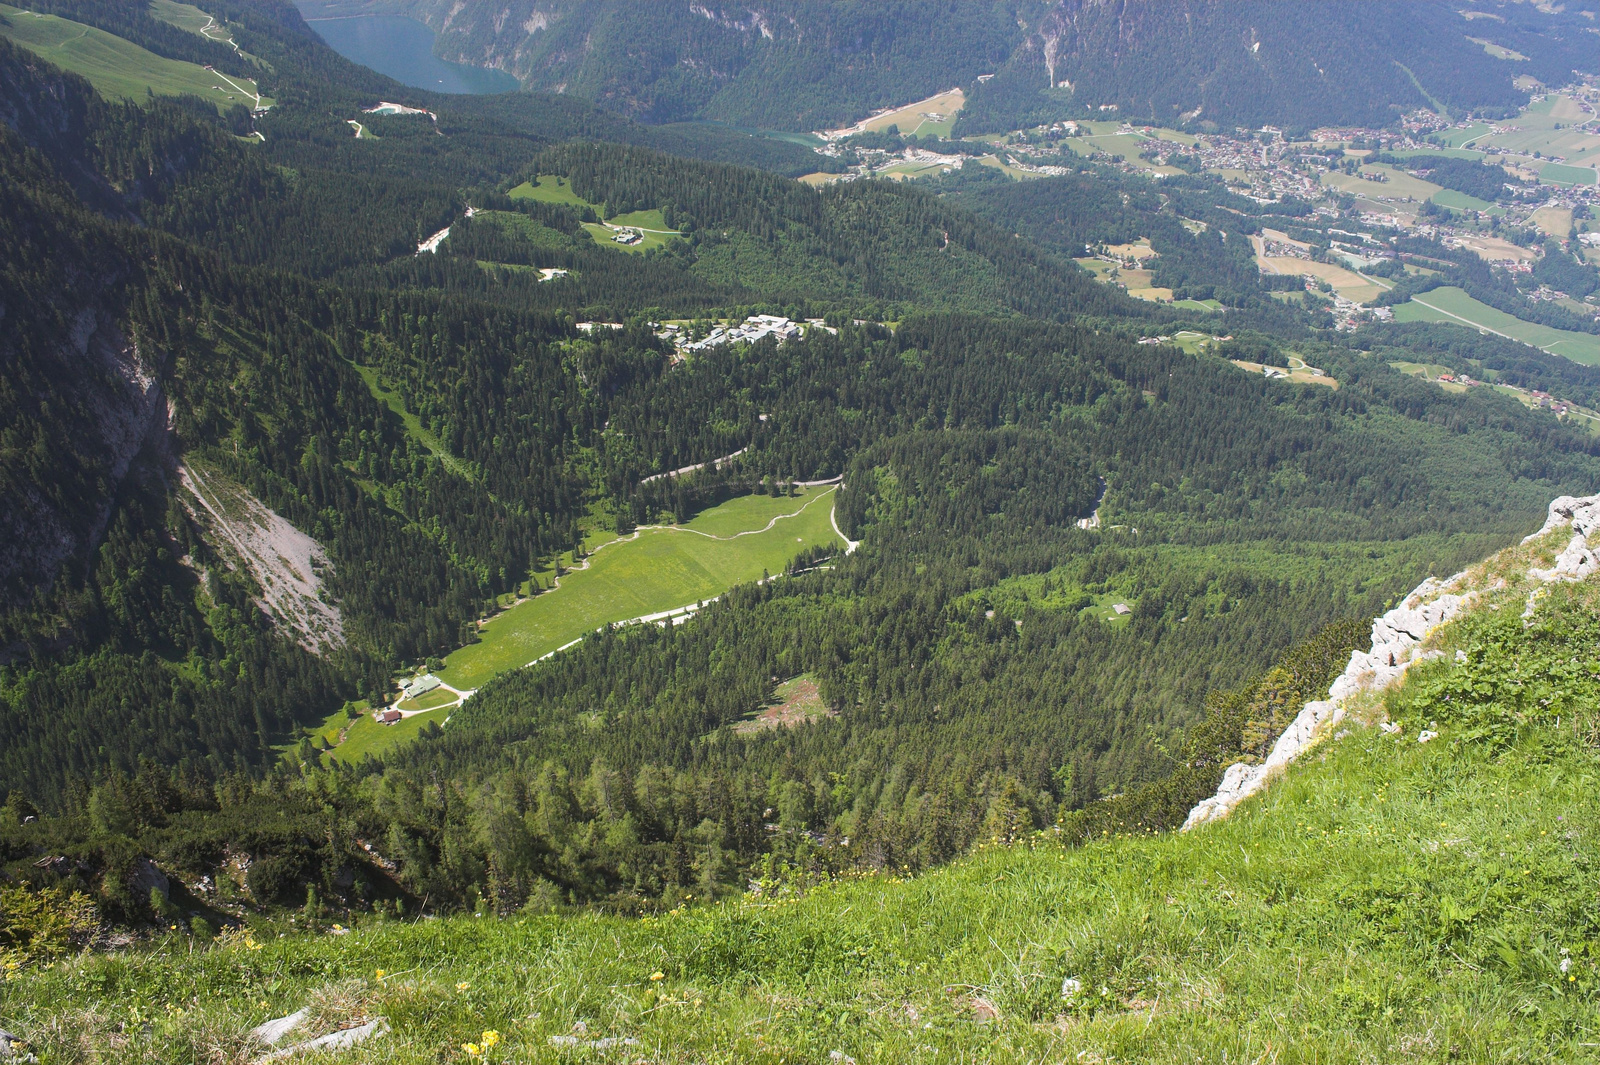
{"x": 1577, "y": 560}
{"x": 275, "y": 1031}
{"x": 1396, "y": 637}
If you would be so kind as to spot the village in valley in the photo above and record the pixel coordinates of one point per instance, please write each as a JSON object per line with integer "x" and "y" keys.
{"x": 1351, "y": 192}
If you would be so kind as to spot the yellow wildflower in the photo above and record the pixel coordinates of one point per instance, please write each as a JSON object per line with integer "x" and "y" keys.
{"x": 472, "y": 1049}
{"x": 381, "y": 974}
{"x": 490, "y": 1039}
{"x": 462, "y": 986}
{"x": 658, "y": 975}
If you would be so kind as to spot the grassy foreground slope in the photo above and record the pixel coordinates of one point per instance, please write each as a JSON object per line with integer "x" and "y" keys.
{"x": 1387, "y": 901}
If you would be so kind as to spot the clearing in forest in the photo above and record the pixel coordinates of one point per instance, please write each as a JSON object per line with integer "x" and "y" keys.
{"x": 639, "y": 230}
{"x": 650, "y": 571}
{"x": 796, "y": 702}
{"x": 118, "y": 68}
{"x": 550, "y": 188}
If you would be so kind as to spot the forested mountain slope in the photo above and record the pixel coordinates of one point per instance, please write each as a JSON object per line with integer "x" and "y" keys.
{"x": 231, "y": 374}
{"x": 809, "y": 64}
{"x": 1388, "y": 899}
{"x": 317, "y": 91}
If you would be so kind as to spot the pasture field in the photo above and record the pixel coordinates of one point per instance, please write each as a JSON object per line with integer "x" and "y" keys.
{"x": 1457, "y": 138}
{"x": 655, "y": 570}
{"x": 430, "y": 700}
{"x": 1563, "y": 174}
{"x": 1010, "y": 171}
{"x": 191, "y": 19}
{"x": 1460, "y": 201}
{"x": 1552, "y": 221}
{"x": 549, "y": 188}
{"x": 1198, "y": 305}
{"x": 1139, "y": 249}
{"x": 121, "y": 69}
{"x": 650, "y": 220}
{"x": 605, "y": 238}
{"x": 1398, "y": 185}
{"x": 1498, "y": 51}
{"x": 1188, "y": 339}
{"x": 1138, "y": 283}
{"x": 1300, "y": 375}
{"x": 1456, "y": 307}
{"x": 909, "y": 170}
{"x": 366, "y": 736}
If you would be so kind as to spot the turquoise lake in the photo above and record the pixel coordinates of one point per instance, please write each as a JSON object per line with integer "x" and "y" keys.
{"x": 402, "y": 48}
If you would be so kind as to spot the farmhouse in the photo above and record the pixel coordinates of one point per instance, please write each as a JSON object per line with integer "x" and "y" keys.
{"x": 420, "y": 685}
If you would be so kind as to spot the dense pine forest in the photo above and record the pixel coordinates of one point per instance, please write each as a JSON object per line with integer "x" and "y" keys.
{"x": 239, "y": 302}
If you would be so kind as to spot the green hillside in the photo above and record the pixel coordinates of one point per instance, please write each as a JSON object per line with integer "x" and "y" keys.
{"x": 1387, "y": 900}
{"x": 119, "y": 68}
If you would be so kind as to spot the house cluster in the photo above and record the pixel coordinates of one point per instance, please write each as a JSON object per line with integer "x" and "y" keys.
{"x": 756, "y": 327}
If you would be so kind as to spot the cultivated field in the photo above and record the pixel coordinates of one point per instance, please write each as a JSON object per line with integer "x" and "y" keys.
{"x": 1455, "y": 306}
{"x": 1138, "y": 283}
{"x": 1347, "y": 283}
{"x": 119, "y": 68}
{"x": 655, "y": 570}
{"x": 1535, "y": 131}
{"x": 935, "y": 116}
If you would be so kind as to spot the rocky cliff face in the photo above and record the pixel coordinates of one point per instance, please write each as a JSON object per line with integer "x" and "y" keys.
{"x": 1560, "y": 551}
{"x": 113, "y": 388}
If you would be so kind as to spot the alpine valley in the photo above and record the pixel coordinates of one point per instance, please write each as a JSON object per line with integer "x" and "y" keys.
{"x": 818, "y": 531}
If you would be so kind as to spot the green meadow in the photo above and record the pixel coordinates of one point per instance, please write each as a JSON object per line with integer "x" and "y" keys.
{"x": 1562, "y": 174}
{"x": 1452, "y": 305}
{"x": 653, "y": 570}
{"x": 366, "y": 736}
{"x": 549, "y": 188}
{"x": 119, "y": 68}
